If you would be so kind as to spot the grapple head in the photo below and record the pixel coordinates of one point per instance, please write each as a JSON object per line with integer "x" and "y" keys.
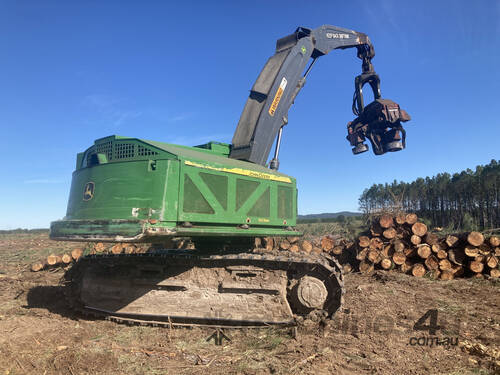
{"x": 380, "y": 122}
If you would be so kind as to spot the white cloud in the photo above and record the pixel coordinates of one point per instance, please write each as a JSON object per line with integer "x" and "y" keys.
{"x": 112, "y": 109}
{"x": 180, "y": 117}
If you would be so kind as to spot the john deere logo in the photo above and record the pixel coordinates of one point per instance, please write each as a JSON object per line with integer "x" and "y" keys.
{"x": 88, "y": 192}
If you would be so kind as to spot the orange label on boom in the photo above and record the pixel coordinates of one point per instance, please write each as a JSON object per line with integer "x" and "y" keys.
{"x": 277, "y": 97}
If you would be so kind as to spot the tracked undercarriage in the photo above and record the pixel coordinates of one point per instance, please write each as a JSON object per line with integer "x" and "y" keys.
{"x": 173, "y": 287}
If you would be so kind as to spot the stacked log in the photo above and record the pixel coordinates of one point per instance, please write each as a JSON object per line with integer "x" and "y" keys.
{"x": 399, "y": 242}
{"x": 404, "y": 243}
{"x": 52, "y": 261}
{"x": 66, "y": 259}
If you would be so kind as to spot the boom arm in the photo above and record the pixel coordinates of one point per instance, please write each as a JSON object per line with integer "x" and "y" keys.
{"x": 266, "y": 110}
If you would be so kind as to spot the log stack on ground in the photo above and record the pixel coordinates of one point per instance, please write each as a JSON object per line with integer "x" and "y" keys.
{"x": 401, "y": 243}
{"x": 100, "y": 248}
{"x": 404, "y": 243}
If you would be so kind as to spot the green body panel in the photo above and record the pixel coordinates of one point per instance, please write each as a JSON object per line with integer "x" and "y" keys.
{"x": 127, "y": 189}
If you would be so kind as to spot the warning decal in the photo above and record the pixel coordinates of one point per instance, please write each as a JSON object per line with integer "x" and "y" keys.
{"x": 278, "y": 96}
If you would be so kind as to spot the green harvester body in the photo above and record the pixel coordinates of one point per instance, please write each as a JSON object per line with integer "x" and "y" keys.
{"x": 132, "y": 190}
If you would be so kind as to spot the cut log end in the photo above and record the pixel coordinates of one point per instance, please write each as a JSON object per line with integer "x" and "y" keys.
{"x": 364, "y": 241}
{"x": 400, "y": 219}
{"x": 398, "y": 245}
{"x": 476, "y": 266}
{"x": 451, "y": 240}
{"x": 361, "y": 255}
{"x": 406, "y": 266}
{"x": 495, "y": 273}
{"x": 432, "y": 263}
{"x": 389, "y": 233}
{"x": 76, "y": 253}
{"x": 327, "y": 244}
{"x": 306, "y": 246}
{"x": 347, "y": 268}
{"x": 386, "y": 221}
{"x": 52, "y": 260}
{"x": 376, "y": 244}
{"x": 130, "y": 249}
{"x": 447, "y": 275}
{"x": 494, "y": 241}
{"x": 36, "y": 267}
{"x": 424, "y": 251}
{"x": 415, "y": 240}
{"x": 442, "y": 254}
{"x": 411, "y": 219}
{"x": 373, "y": 256}
{"x": 398, "y": 258}
{"x": 471, "y": 251}
{"x": 316, "y": 250}
{"x": 387, "y": 264}
{"x": 366, "y": 267}
{"x": 99, "y": 247}
{"x": 444, "y": 265}
{"x": 431, "y": 238}
{"x": 492, "y": 261}
{"x": 337, "y": 250}
{"x": 387, "y": 251}
{"x": 117, "y": 248}
{"x": 420, "y": 229}
{"x": 66, "y": 258}
{"x": 418, "y": 270}
{"x": 475, "y": 238}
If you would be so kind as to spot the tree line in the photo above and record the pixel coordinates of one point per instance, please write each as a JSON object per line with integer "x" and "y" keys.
{"x": 467, "y": 200}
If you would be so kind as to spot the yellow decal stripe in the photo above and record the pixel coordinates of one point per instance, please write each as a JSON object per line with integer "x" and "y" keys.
{"x": 240, "y": 171}
{"x": 277, "y": 97}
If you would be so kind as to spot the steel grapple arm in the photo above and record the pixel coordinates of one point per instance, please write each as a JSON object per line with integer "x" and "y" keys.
{"x": 266, "y": 110}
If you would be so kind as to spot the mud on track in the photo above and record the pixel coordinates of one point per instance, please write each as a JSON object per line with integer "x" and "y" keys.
{"x": 373, "y": 334}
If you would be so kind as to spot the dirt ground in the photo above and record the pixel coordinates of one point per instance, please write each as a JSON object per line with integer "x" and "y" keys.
{"x": 373, "y": 334}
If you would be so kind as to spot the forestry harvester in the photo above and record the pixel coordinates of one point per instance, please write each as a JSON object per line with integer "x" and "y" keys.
{"x": 222, "y": 196}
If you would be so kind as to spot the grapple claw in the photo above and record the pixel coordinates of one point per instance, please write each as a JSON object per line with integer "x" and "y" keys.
{"x": 380, "y": 122}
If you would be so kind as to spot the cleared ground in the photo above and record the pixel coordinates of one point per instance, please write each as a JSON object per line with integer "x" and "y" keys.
{"x": 373, "y": 334}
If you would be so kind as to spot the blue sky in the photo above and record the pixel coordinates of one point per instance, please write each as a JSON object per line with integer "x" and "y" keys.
{"x": 179, "y": 72}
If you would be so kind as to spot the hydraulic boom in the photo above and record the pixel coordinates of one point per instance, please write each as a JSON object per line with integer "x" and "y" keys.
{"x": 281, "y": 79}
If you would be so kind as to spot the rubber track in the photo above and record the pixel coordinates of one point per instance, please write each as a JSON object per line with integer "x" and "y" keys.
{"x": 285, "y": 259}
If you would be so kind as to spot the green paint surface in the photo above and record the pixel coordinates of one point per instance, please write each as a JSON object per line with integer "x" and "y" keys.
{"x": 146, "y": 189}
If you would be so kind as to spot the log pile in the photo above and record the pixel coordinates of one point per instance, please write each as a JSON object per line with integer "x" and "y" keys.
{"x": 334, "y": 245}
{"x": 404, "y": 243}
{"x": 329, "y": 244}
{"x": 53, "y": 260}
{"x": 401, "y": 243}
